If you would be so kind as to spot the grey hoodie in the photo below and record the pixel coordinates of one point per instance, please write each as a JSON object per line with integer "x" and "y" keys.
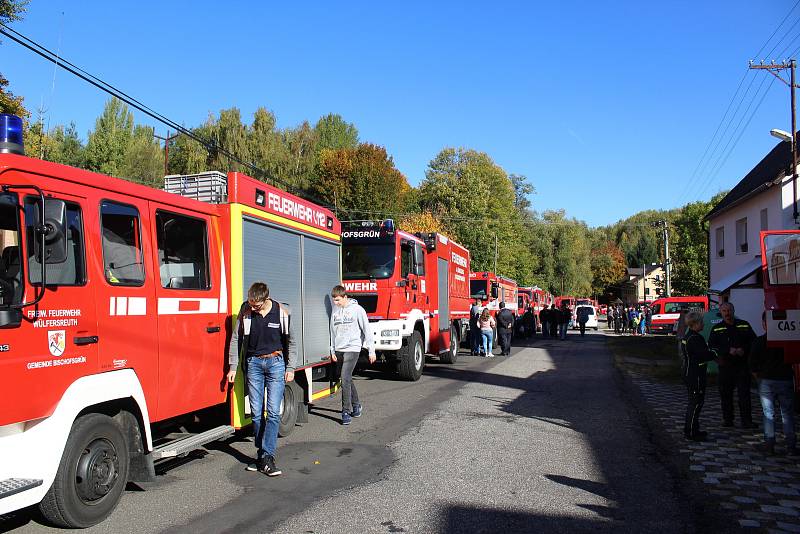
{"x": 350, "y": 329}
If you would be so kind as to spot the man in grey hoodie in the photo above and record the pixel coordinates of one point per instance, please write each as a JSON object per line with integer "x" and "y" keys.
{"x": 350, "y": 331}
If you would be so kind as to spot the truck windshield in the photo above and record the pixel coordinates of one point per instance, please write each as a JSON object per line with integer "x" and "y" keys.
{"x": 783, "y": 259}
{"x": 477, "y": 288}
{"x": 10, "y": 265}
{"x": 373, "y": 260}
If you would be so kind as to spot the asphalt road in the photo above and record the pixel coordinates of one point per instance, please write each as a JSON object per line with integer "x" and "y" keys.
{"x": 542, "y": 441}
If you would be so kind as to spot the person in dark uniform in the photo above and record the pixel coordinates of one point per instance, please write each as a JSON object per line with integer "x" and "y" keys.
{"x": 775, "y": 383}
{"x": 544, "y": 319}
{"x": 731, "y": 339}
{"x": 554, "y": 318}
{"x": 696, "y": 355}
{"x": 505, "y": 325}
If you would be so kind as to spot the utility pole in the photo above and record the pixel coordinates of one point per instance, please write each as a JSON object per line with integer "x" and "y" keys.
{"x": 774, "y": 68}
{"x": 495, "y": 253}
{"x": 166, "y": 140}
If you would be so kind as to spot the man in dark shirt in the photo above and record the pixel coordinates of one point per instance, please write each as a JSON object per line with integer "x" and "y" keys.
{"x": 505, "y": 324}
{"x": 775, "y": 383}
{"x": 696, "y": 355}
{"x": 544, "y": 319}
{"x": 731, "y": 340}
{"x": 263, "y": 335}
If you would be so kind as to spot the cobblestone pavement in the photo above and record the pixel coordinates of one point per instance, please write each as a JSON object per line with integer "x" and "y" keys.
{"x": 760, "y": 491}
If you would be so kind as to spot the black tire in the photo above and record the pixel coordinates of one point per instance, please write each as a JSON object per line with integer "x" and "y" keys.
{"x": 289, "y": 409}
{"x": 451, "y": 355}
{"x": 412, "y": 358}
{"x": 91, "y": 476}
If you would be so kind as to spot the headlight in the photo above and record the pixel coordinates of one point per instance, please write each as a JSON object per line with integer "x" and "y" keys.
{"x": 390, "y": 333}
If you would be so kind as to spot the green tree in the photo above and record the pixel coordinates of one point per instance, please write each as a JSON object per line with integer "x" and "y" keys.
{"x": 65, "y": 147}
{"x": 333, "y": 132}
{"x": 108, "y": 143}
{"x": 11, "y": 11}
{"x": 144, "y": 160}
{"x": 689, "y": 247}
{"x": 476, "y": 198}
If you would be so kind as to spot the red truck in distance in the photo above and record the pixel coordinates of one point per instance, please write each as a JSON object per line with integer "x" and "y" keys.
{"x": 414, "y": 288}
{"x": 494, "y": 289}
{"x": 780, "y": 264}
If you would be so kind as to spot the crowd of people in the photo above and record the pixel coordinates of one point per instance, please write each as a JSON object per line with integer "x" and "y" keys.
{"x": 634, "y": 320}
{"x": 741, "y": 358}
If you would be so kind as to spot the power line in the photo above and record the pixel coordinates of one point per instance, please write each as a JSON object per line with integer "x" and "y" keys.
{"x": 210, "y": 145}
{"x": 703, "y": 162}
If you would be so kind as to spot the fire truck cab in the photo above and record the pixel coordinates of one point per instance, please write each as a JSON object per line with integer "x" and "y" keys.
{"x": 494, "y": 289}
{"x": 780, "y": 263}
{"x": 116, "y": 304}
{"x": 414, "y": 289}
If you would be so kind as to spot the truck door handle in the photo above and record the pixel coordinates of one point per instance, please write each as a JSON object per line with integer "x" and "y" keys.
{"x": 85, "y": 340}
{"x": 212, "y": 329}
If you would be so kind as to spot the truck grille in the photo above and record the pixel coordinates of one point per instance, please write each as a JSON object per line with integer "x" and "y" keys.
{"x": 368, "y": 301}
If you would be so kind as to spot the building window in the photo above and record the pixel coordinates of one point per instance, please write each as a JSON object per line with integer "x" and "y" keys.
{"x": 741, "y": 236}
{"x": 764, "y": 220}
{"x": 719, "y": 241}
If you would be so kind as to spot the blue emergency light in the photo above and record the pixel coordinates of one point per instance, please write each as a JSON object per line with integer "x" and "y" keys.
{"x": 11, "y": 134}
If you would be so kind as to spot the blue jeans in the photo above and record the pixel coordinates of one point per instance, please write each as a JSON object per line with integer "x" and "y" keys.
{"x": 783, "y": 392}
{"x": 562, "y": 330}
{"x": 487, "y": 337}
{"x": 266, "y": 373}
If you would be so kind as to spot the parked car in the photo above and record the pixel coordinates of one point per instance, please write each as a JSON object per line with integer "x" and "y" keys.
{"x": 592, "y": 322}
{"x": 666, "y": 312}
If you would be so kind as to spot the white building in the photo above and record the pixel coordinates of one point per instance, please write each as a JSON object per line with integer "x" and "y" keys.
{"x": 762, "y": 200}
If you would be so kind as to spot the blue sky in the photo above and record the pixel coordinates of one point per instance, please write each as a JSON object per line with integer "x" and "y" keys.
{"x": 607, "y": 107}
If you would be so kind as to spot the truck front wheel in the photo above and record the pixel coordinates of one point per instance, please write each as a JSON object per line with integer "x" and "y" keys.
{"x": 412, "y": 358}
{"x": 91, "y": 476}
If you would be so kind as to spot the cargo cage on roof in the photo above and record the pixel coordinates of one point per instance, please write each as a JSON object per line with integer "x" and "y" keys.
{"x": 209, "y": 186}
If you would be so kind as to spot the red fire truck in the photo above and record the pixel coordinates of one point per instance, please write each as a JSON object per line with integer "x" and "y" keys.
{"x": 117, "y": 304}
{"x": 780, "y": 263}
{"x": 525, "y": 300}
{"x": 493, "y": 289}
{"x": 414, "y": 289}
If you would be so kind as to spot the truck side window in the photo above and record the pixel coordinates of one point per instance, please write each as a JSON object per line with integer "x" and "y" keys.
{"x": 182, "y": 251}
{"x": 122, "y": 244}
{"x": 71, "y": 272}
{"x": 419, "y": 259}
{"x": 10, "y": 265}
{"x": 406, "y": 258}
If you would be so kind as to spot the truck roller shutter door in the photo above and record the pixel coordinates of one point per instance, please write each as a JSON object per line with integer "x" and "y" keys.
{"x": 444, "y": 294}
{"x": 273, "y": 255}
{"x": 321, "y": 266}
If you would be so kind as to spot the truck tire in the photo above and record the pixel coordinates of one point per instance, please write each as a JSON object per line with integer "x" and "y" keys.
{"x": 91, "y": 476}
{"x": 412, "y": 358}
{"x": 451, "y": 355}
{"x": 289, "y": 409}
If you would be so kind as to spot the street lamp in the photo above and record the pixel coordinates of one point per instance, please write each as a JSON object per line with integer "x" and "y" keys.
{"x": 780, "y": 134}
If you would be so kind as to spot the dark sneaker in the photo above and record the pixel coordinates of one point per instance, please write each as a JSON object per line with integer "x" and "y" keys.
{"x": 270, "y": 469}
{"x": 727, "y": 423}
{"x": 258, "y": 465}
{"x": 357, "y": 409}
{"x": 750, "y": 424}
{"x": 346, "y": 418}
{"x": 768, "y": 447}
{"x": 698, "y": 436}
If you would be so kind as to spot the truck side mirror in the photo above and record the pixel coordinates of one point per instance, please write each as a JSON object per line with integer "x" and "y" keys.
{"x": 54, "y": 230}
{"x": 495, "y": 289}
